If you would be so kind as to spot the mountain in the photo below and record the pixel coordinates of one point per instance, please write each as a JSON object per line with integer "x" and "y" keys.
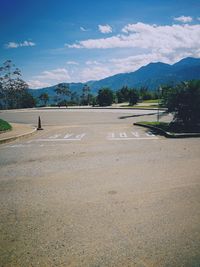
{"x": 152, "y": 76}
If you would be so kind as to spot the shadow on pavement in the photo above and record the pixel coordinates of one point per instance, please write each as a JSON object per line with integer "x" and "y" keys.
{"x": 138, "y": 115}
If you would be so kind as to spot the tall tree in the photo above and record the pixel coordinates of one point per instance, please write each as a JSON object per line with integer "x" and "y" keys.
{"x": 63, "y": 91}
{"x": 12, "y": 87}
{"x": 44, "y": 97}
{"x": 123, "y": 94}
{"x": 86, "y": 94}
{"x": 133, "y": 97}
{"x": 105, "y": 97}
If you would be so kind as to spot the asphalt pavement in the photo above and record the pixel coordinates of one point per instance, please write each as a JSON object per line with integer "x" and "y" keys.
{"x": 92, "y": 189}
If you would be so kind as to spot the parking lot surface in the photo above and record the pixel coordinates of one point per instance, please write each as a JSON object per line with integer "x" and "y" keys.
{"x": 92, "y": 189}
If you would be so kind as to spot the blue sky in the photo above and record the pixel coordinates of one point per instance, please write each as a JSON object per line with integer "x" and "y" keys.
{"x": 55, "y": 41}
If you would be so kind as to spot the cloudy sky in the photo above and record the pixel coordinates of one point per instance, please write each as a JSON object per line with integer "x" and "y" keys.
{"x": 80, "y": 40}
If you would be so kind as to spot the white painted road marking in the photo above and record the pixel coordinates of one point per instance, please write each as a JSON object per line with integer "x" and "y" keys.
{"x": 80, "y": 136}
{"x": 130, "y": 136}
{"x": 55, "y": 140}
{"x": 120, "y": 136}
{"x": 55, "y": 136}
{"x": 135, "y": 134}
{"x": 20, "y": 145}
{"x": 123, "y": 135}
{"x": 67, "y": 137}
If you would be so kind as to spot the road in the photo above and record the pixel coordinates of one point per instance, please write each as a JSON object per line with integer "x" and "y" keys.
{"x": 91, "y": 190}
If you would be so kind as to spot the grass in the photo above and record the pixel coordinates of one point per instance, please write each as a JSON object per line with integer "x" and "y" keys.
{"x": 138, "y": 107}
{"x": 162, "y": 125}
{"x": 172, "y": 127}
{"x": 4, "y": 126}
{"x": 151, "y": 101}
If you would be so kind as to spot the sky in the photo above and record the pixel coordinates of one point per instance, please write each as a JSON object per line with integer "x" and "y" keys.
{"x": 81, "y": 40}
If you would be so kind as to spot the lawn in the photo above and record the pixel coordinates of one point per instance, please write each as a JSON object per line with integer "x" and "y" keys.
{"x": 172, "y": 127}
{"x": 4, "y": 126}
{"x": 151, "y": 101}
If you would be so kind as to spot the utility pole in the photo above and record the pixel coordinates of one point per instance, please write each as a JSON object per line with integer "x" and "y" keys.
{"x": 159, "y": 95}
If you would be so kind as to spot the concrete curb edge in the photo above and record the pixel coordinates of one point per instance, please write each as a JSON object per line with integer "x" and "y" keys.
{"x": 13, "y": 138}
{"x": 168, "y": 134}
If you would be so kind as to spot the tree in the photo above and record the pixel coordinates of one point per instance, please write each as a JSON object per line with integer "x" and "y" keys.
{"x": 105, "y": 97}
{"x": 133, "y": 97}
{"x": 145, "y": 94}
{"x": 123, "y": 94}
{"x": 27, "y": 100}
{"x": 184, "y": 101}
{"x": 86, "y": 95}
{"x": 62, "y": 90}
{"x": 12, "y": 87}
{"x": 44, "y": 97}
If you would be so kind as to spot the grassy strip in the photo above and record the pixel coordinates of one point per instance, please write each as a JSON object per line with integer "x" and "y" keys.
{"x": 4, "y": 126}
{"x": 172, "y": 128}
{"x": 151, "y": 101}
{"x": 162, "y": 125}
{"x": 138, "y": 107}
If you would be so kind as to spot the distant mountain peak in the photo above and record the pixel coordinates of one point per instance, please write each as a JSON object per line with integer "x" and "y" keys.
{"x": 188, "y": 61}
{"x": 152, "y": 76}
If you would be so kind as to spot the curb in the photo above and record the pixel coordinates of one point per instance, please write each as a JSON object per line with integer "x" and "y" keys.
{"x": 86, "y": 108}
{"x": 168, "y": 134}
{"x": 13, "y": 138}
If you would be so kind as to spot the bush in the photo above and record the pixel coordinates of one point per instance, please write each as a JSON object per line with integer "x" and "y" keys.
{"x": 184, "y": 101}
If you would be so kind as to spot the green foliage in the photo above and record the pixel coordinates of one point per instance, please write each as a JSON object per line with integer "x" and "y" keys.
{"x": 86, "y": 96}
{"x": 105, "y": 97}
{"x": 63, "y": 91}
{"x": 133, "y": 97}
{"x": 152, "y": 101}
{"x": 126, "y": 94}
{"x": 13, "y": 89}
{"x": 123, "y": 94}
{"x": 184, "y": 101}
{"x": 4, "y": 125}
{"x": 75, "y": 99}
{"x": 162, "y": 125}
{"x": 146, "y": 94}
{"x": 27, "y": 100}
{"x": 44, "y": 97}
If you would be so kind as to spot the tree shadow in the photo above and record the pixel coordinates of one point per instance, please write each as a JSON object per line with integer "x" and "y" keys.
{"x": 138, "y": 115}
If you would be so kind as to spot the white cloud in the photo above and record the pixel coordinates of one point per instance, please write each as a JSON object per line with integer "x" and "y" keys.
{"x": 150, "y": 37}
{"x": 183, "y": 19}
{"x": 11, "y": 45}
{"x": 92, "y": 62}
{"x": 60, "y": 74}
{"x": 105, "y": 28}
{"x": 148, "y": 43}
{"x": 50, "y": 77}
{"x": 83, "y": 29}
{"x": 72, "y": 63}
{"x": 16, "y": 45}
{"x": 35, "y": 84}
{"x": 95, "y": 73}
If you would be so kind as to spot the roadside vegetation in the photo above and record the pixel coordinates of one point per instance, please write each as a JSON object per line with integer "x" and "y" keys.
{"x": 13, "y": 90}
{"x": 4, "y": 126}
{"x": 183, "y": 101}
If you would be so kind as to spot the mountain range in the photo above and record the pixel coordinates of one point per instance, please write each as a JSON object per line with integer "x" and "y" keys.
{"x": 151, "y": 76}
